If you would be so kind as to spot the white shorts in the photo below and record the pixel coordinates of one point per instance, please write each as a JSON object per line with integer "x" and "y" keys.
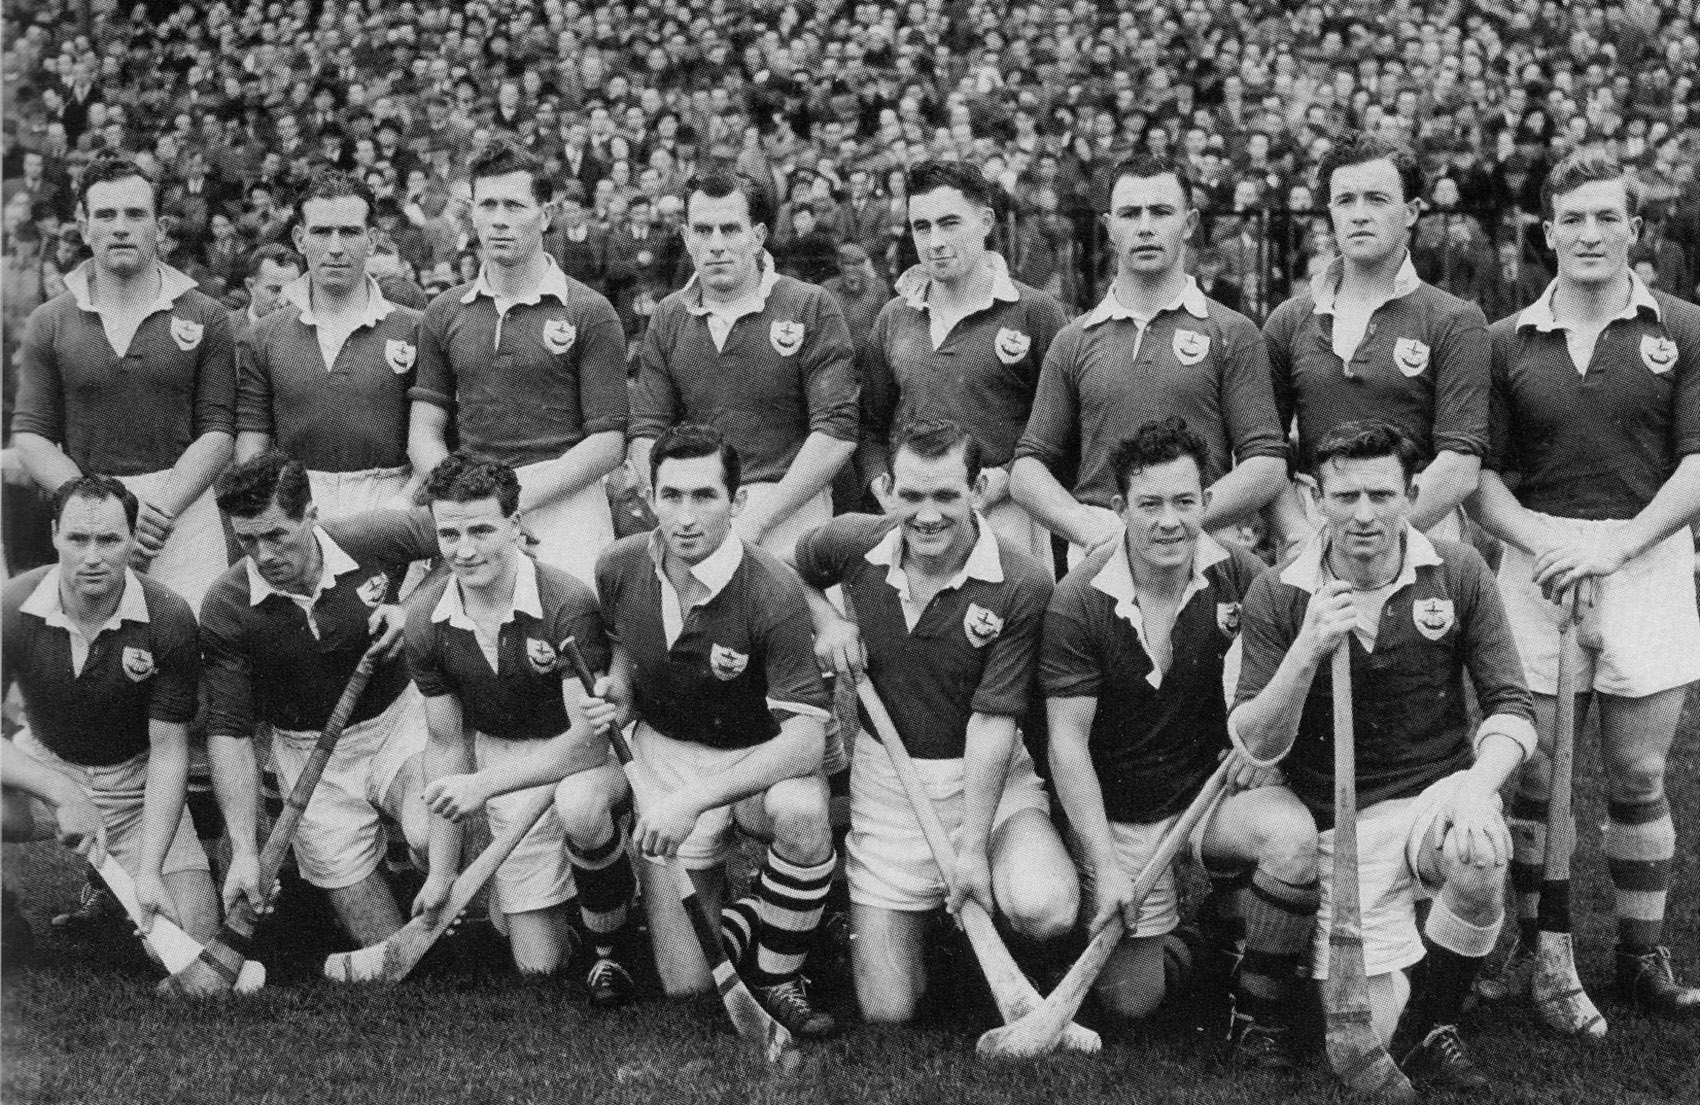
{"x": 890, "y": 865}
{"x": 117, "y": 792}
{"x": 1391, "y": 836}
{"x": 571, "y": 532}
{"x": 340, "y": 494}
{"x": 782, "y": 539}
{"x": 1640, "y": 633}
{"x": 341, "y": 840}
{"x": 195, "y": 554}
{"x": 538, "y": 874}
{"x": 1135, "y": 843}
{"x": 1010, "y": 520}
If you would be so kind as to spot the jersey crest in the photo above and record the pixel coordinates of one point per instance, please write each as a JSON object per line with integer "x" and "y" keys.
{"x": 540, "y": 655}
{"x": 1658, "y": 354}
{"x": 372, "y": 592}
{"x": 1191, "y": 347}
{"x": 982, "y": 626}
{"x": 1012, "y": 345}
{"x": 1228, "y": 617}
{"x": 186, "y": 333}
{"x": 787, "y": 338}
{"x": 1433, "y": 617}
{"x": 399, "y": 355}
{"x": 559, "y": 335}
{"x": 726, "y": 663}
{"x": 1411, "y": 356}
{"x": 138, "y": 664}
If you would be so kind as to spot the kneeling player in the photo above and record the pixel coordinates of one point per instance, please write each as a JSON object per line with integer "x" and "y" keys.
{"x": 1416, "y": 615}
{"x": 949, "y": 614}
{"x": 713, "y": 661}
{"x": 1135, "y": 643}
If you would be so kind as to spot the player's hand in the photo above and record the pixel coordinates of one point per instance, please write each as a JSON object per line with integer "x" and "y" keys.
{"x": 1563, "y": 566}
{"x": 141, "y": 559}
{"x": 1245, "y": 775}
{"x": 602, "y": 708}
{"x": 1096, "y": 525}
{"x": 1112, "y": 894}
{"x": 751, "y": 526}
{"x": 79, "y": 826}
{"x": 385, "y": 625}
{"x": 997, "y": 486}
{"x": 153, "y": 900}
{"x": 973, "y": 880}
{"x": 838, "y": 648}
{"x": 1478, "y": 835}
{"x": 242, "y": 881}
{"x": 456, "y": 797}
{"x": 1329, "y": 616}
{"x": 153, "y": 527}
{"x": 432, "y": 897}
{"x": 664, "y": 821}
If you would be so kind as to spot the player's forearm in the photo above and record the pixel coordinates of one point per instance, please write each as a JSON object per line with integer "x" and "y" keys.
{"x": 45, "y": 461}
{"x": 1497, "y": 510}
{"x": 637, "y": 452}
{"x": 1076, "y": 781}
{"x": 1032, "y": 485}
{"x": 427, "y": 426}
{"x": 823, "y": 615}
{"x": 795, "y": 752}
{"x": 22, "y": 772}
{"x": 985, "y": 765}
{"x": 1497, "y": 756}
{"x": 235, "y": 775}
{"x": 1244, "y": 490}
{"x": 575, "y": 470}
{"x": 816, "y": 463}
{"x": 551, "y": 761}
{"x": 163, "y": 793}
{"x": 195, "y": 470}
{"x": 445, "y": 754}
{"x": 1265, "y": 727}
{"x": 1443, "y": 486}
{"x": 1675, "y": 506}
{"x": 250, "y": 444}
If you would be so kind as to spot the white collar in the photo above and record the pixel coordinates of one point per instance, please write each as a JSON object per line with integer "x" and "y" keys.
{"x": 172, "y": 283}
{"x": 333, "y": 562}
{"x": 769, "y": 277}
{"x": 1539, "y": 314}
{"x": 713, "y": 571}
{"x": 554, "y": 283}
{"x": 46, "y": 603}
{"x": 1192, "y": 300}
{"x": 299, "y": 294}
{"x": 1308, "y": 572}
{"x": 1325, "y": 285}
{"x": 983, "y": 563}
{"x": 915, "y": 286}
{"x": 525, "y": 601}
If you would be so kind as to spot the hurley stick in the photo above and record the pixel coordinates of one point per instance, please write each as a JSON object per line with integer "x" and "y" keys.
{"x": 751, "y": 1021}
{"x": 1014, "y": 994}
{"x": 176, "y": 949}
{"x": 1354, "y": 1049}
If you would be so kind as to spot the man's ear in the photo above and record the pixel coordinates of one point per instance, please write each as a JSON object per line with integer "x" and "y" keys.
{"x": 882, "y": 489}
{"x": 739, "y": 499}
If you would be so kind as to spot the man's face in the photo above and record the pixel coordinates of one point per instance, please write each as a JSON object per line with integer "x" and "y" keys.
{"x": 1591, "y": 231}
{"x": 120, "y": 227}
{"x": 1164, "y": 512}
{"x": 692, "y": 507}
{"x": 281, "y": 547}
{"x": 950, "y": 233}
{"x": 508, "y": 219}
{"x": 1371, "y": 214}
{"x": 335, "y": 240}
{"x": 1364, "y": 504}
{"x": 934, "y": 503}
{"x": 723, "y": 243}
{"x": 94, "y": 542}
{"x": 265, "y": 291}
{"x": 1149, "y": 224}
{"x": 477, "y": 540}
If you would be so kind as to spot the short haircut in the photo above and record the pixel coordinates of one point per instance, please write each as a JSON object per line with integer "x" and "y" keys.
{"x": 719, "y": 183}
{"x": 277, "y": 255}
{"x": 929, "y": 176}
{"x": 1368, "y": 439}
{"x": 1585, "y": 166}
{"x": 106, "y": 170}
{"x": 689, "y": 440}
{"x": 248, "y": 489}
{"x": 500, "y": 157}
{"x": 1154, "y": 443}
{"x": 1145, "y": 166}
{"x": 1360, "y": 148}
{"x": 97, "y": 488}
{"x": 933, "y": 438}
{"x": 464, "y": 477}
{"x": 334, "y": 184}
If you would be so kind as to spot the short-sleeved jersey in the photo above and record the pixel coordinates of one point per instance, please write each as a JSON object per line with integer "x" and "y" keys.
{"x": 1600, "y": 443}
{"x": 741, "y": 657}
{"x": 785, "y": 371}
{"x": 143, "y": 666}
{"x": 521, "y": 698}
{"x": 1106, "y": 375}
{"x": 348, "y": 417}
{"x": 972, "y": 650}
{"x": 129, "y": 415}
{"x": 1155, "y": 736}
{"x": 1411, "y": 722}
{"x": 982, "y": 376}
{"x": 268, "y": 661}
{"x": 1422, "y": 365}
{"x": 527, "y": 384}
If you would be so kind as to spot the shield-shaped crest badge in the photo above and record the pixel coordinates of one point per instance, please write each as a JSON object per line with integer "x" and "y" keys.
{"x": 1191, "y": 346}
{"x": 187, "y": 333}
{"x": 399, "y": 355}
{"x": 981, "y": 625}
{"x": 787, "y": 338}
{"x": 1433, "y": 617}
{"x": 559, "y": 335}
{"x": 727, "y": 663}
{"x": 1658, "y": 354}
{"x": 372, "y": 592}
{"x": 1228, "y": 617}
{"x": 1012, "y": 345}
{"x": 138, "y": 664}
{"x": 540, "y": 655}
{"x": 1411, "y": 356}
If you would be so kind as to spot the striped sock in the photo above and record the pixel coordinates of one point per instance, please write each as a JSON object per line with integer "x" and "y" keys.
{"x": 789, "y": 901}
{"x": 1640, "y": 843}
{"x": 1279, "y": 919}
{"x": 1528, "y": 824}
{"x": 605, "y": 887}
{"x": 1221, "y": 916}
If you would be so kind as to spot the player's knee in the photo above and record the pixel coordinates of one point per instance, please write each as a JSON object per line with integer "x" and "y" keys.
{"x": 1040, "y": 906}
{"x": 1635, "y": 777}
{"x": 1286, "y": 848}
{"x": 796, "y": 811}
{"x": 584, "y": 808}
{"x": 1471, "y": 887}
{"x": 1129, "y": 999}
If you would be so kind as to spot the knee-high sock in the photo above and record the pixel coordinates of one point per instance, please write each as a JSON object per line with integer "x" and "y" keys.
{"x": 1221, "y": 916}
{"x": 789, "y": 899}
{"x": 1528, "y": 825}
{"x": 1456, "y": 949}
{"x": 606, "y": 885}
{"x": 1640, "y": 843}
{"x": 1279, "y": 919}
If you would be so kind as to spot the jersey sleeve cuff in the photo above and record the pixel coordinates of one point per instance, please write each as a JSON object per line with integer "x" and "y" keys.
{"x": 1519, "y": 729}
{"x": 800, "y": 709}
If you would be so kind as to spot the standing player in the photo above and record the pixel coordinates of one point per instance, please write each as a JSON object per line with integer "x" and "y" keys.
{"x": 107, "y": 663}
{"x": 764, "y": 358}
{"x": 1132, "y": 669}
{"x": 282, "y": 631}
{"x": 484, "y": 646}
{"x": 532, "y": 364}
{"x": 1369, "y": 339}
{"x": 1417, "y": 616}
{"x": 713, "y": 661}
{"x": 1155, "y": 346}
{"x": 1596, "y": 413}
{"x": 326, "y": 381}
{"x": 961, "y": 340}
{"x": 950, "y": 614}
{"x": 130, "y": 372}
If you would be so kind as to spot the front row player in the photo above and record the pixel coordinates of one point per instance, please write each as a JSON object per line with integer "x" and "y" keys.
{"x": 1136, "y": 641}
{"x": 1416, "y": 615}
{"x": 950, "y": 616}
{"x": 713, "y": 661}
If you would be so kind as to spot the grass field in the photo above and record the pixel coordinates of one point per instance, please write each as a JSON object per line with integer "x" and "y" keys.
{"x": 84, "y": 1026}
